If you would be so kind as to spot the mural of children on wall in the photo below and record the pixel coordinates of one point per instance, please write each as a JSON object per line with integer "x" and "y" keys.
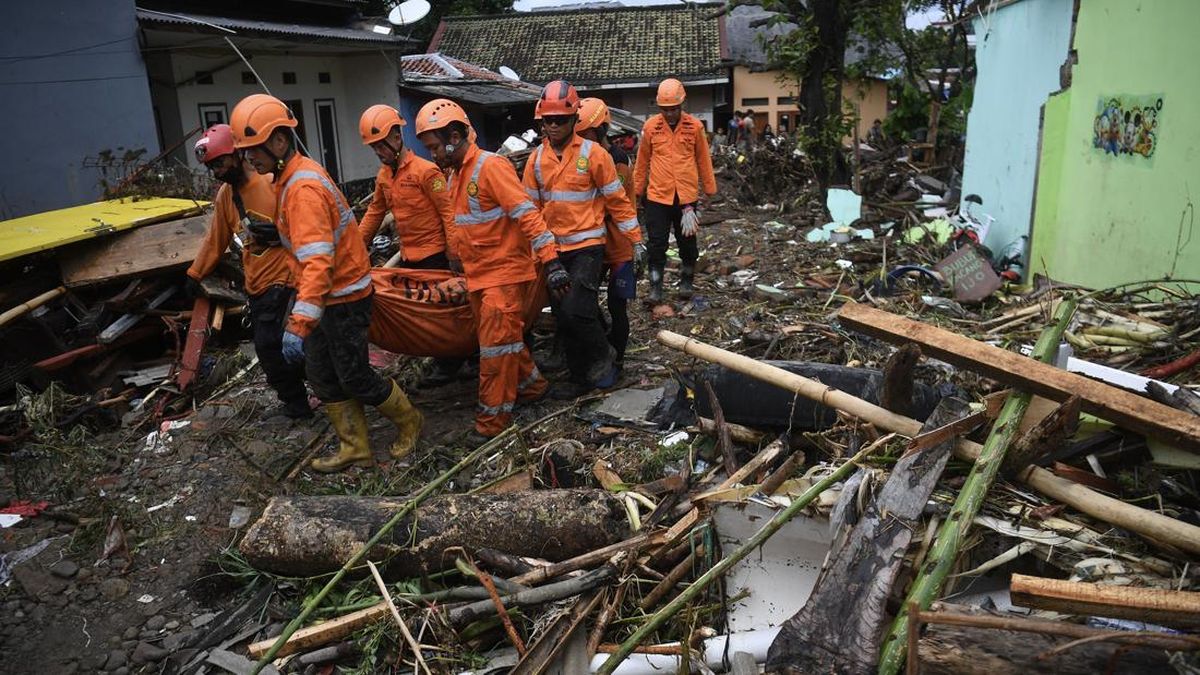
{"x": 1127, "y": 125}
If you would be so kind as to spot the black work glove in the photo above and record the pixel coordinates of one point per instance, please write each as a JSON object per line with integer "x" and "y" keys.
{"x": 264, "y": 231}
{"x": 557, "y": 279}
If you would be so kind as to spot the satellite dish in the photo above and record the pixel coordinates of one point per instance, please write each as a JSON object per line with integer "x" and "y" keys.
{"x": 510, "y": 73}
{"x": 408, "y": 12}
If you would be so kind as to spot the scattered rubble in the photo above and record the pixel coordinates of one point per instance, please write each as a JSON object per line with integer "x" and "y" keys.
{"x": 842, "y": 463}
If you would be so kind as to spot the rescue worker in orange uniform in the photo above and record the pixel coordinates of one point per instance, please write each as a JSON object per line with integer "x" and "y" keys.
{"x": 622, "y": 257}
{"x": 673, "y": 162}
{"x": 244, "y": 201}
{"x": 497, "y": 234}
{"x": 327, "y": 329}
{"x": 576, "y": 184}
{"x": 414, "y": 191}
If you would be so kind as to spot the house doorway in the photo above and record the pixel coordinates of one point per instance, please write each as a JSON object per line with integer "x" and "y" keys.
{"x": 297, "y": 109}
{"x": 327, "y": 139}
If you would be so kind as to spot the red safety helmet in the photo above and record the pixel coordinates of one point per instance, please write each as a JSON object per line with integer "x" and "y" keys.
{"x": 559, "y": 98}
{"x": 216, "y": 142}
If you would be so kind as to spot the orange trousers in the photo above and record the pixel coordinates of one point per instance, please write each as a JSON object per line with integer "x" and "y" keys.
{"x": 506, "y": 369}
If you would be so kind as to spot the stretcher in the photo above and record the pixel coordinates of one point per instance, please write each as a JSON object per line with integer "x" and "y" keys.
{"x": 428, "y": 312}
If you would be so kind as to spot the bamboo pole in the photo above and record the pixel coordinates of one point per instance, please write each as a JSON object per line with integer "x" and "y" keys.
{"x": 403, "y": 512}
{"x": 30, "y": 305}
{"x": 1154, "y": 526}
{"x": 927, "y": 587}
{"x": 717, "y": 571}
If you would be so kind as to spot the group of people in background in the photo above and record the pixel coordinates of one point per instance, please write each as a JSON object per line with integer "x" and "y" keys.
{"x": 566, "y": 228}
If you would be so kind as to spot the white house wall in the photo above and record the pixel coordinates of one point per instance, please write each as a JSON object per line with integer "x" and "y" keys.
{"x": 356, "y": 81}
{"x": 1019, "y": 49}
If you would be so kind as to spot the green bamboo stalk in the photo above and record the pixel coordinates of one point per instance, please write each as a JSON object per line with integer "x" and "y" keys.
{"x": 354, "y": 560}
{"x": 928, "y": 584}
{"x": 717, "y": 571}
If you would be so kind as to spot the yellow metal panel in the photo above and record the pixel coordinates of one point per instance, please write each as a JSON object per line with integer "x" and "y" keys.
{"x": 51, "y": 229}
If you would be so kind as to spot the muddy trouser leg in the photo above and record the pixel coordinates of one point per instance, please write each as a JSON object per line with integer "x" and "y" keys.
{"x": 589, "y": 356}
{"x": 268, "y": 312}
{"x": 506, "y": 367}
{"x": 336, "y": 356}
{"x": 622, "y": 288}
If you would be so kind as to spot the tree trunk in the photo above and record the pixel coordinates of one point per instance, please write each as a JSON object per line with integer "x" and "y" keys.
{"x": 821, "y": 91}
{"x": 306, "y": 536}
{"x": 950, "y": 650}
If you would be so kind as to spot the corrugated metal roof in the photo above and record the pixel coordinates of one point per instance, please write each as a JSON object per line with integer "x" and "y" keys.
{"x": 288, "y": 31}
{"x": 629, "y": 44}
{"x": 444, "y": 76}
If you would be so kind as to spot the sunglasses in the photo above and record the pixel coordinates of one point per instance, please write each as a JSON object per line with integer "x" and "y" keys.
{"x": 557, "y": 120}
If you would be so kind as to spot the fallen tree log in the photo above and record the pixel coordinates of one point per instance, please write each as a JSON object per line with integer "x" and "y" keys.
{"x": 1154, "y": 526}
{"x": 951, "y": 650}
{"x": 1180, "y": 609}
{"x": 307, "y": 536}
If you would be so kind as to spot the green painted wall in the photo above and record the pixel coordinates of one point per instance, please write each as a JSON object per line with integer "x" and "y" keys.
{"x": 1102, "y": 219}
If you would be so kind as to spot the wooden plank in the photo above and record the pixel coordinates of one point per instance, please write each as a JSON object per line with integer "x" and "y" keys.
{"x": 1179, "y": 609}
{"x": 1125, "y": 409}
{"x": 51, "y": 229}
{"x": 323, "y": 633}
{"x": 839, "y": 628}
{"x": 147, "y": 250}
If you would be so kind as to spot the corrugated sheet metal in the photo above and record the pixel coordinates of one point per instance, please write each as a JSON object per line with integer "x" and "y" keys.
{"x": 285, "y": 30}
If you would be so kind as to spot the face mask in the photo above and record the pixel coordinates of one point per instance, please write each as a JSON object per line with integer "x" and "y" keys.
{"x": 234, "y": 175}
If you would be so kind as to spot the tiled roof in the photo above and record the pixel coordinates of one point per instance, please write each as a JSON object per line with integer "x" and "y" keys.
{"x": 628, "y": 44}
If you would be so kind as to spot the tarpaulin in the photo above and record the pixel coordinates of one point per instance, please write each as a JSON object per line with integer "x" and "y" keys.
{"x": 426, "y": 312}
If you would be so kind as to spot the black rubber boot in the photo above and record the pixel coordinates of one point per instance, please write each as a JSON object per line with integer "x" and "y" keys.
{"x": 687, "y": 275}
{"x": 656, "y": 286}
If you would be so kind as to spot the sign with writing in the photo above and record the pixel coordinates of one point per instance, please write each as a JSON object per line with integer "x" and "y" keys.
{"x": 969, "y": 274}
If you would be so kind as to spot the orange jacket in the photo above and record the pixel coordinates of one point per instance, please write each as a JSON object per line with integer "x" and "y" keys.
{"x": 318, "y": 227}
{"x": 495, "y": 224}
{"x": 271, "y": 266}
{"x": 618, "y": 248}
{"x": 676, "y": 161}
{"x": 415, "y": 192}
{"x": 576, "y": 191}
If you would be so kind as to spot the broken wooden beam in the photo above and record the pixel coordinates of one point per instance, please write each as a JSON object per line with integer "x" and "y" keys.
{"x": 1121, "y": 407}
{"x": 1178, "y": 609}
{"x": 307, "y": 536}
{"x": 147, "y": 250}
{"x": 193, "y": 347}
{"x": 1154, "y": 526}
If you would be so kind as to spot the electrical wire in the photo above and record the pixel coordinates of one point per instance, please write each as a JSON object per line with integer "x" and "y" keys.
{"x": 64, "y": 52}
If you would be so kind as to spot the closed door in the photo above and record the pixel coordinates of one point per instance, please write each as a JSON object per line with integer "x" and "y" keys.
{"x": 327, "y": 130}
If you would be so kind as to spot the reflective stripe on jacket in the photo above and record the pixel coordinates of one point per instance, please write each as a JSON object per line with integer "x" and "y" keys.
{"x": 576, "y": 191}
{"x": 498, "y": 230}
{"x": 317, "y": 226}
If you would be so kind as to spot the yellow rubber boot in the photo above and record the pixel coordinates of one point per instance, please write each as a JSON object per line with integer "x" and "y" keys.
{"x": 350, "y": 423}
{"x": 407, "y": 419}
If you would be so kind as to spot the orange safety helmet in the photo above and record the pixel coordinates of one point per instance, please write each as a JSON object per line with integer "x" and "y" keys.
{"x": 377, "y": 122}
{"x": 438, "y": 113}
{"x": 559, "y": 98}
{"x": 255, "y": 117}
{"x": 592, "y": 114}
{"x": 537, "y": 110}
{"x": 670, "y": 93}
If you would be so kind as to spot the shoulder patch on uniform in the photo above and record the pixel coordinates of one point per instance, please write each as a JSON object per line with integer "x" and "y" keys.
{"x": 472, "y": 188}
{"x": 438, "y": 184}
{"x": 581, "y": 164}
